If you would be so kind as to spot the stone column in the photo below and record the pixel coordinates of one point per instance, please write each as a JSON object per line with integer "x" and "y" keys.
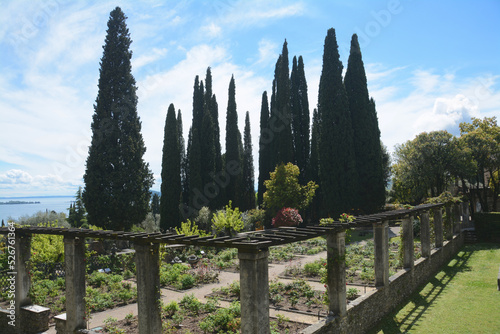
{"x": 448, "y": 231}
{"x": 147, "y": 261}
{"x": 381, "y": 241}
{"x": 465, "y": 214}
{"x": 408, "y": 242}
{"x": 336, "y": 273}
{"x": 438, "y": 227}
{"x": 425, "y": 235}
{"x": 22, "y": 248}
{"x": 457, "y": 215}
{"x": 74, "y": 258}
{"x": 254, "y": 291}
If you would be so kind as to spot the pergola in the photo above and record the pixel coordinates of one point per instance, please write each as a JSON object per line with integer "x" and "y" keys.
{"x": 253, "y": 251}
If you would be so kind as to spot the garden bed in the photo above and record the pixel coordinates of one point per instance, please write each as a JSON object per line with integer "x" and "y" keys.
{"x": 191, "y": 316}
{"x": 360, "y": 266}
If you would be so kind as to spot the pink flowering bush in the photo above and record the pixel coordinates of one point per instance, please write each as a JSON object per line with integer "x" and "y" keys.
{"x": 287, "y": 217}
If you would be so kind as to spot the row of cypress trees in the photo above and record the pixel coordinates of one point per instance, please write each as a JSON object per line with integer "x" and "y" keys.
{"x": 342, "y": 153}
{"x": 204, "y": 176}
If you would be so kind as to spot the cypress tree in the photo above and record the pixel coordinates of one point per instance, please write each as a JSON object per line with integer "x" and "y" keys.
{"x": 198, "y": 102}
{"x": 280, "y": 111}
{"x": 183, "y": 159}
{"x": 171, "y": 189}
{"x": 299, "y": 105}
{"x": 155, "y": 205}
{"x": 338, "y": 177}
{"x": 208, "y": 157}
{"x": 313, "y": 167}
{"x": 117, "y": 180}
{"x": 77, "y": 212}
{"x": 248, "y": 200}
{"x": 366, "y": 134}
{"x": 194, "y": 155}
{"x": 213, "y": 108}
{"x": 211, "y": 137}
{"x": 233, "y": 148}
{"x": 195, "y": 179}
{"x": 265, "y": 140}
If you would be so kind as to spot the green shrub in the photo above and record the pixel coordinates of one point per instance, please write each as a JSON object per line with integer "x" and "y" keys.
{"x": 487, "y": 225}
{"x": 312, "y": 268}
{"x": 191, "y": 303}
{"x": 168, "y": 310}
{"x": 234, "y": 288}
{"x": 228, "y": 220}
{"x": 186, "y": 281}
{"x": 97, "y": 279}
{"x": 352, "y": 293}
{"x": 223, "y": 320}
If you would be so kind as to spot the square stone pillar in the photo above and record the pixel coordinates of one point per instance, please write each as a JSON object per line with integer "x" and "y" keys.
{"x": 448, "y": 226}
{"x": 465, "y": 215}
{"x": 335, "y": 243}
{"x": 408, "y": 258}
{"x": 438, "y": 227}
{"x": 425, "y": 234}
{"x": 147, "y": 262}
{"x": 457, "y": 218}
{"x": 254, "y": 292}
{"x": 22, "y": 248}
{"x": 74, "y": 259}
{"x": 381, "y": 241}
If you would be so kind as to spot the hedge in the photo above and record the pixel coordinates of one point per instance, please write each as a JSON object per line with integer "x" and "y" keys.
{"x": 487, "y": 226}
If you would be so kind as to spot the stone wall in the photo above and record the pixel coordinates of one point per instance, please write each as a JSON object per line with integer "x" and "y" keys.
{"x": 366, "y": 311}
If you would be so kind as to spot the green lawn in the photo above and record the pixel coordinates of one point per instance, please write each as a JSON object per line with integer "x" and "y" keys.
{"x": 461, "y": 298}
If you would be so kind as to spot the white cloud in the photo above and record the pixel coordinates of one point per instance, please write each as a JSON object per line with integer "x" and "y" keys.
{"x": 14, "y": 176}
{"x": 249, "y": 13}
{"x": 212, "y": 30}
{"x": 19, "y": 182}
{"x": 148, "y": 58}
{"x": 268, "y": 51}
{"x": 434, "y": 101}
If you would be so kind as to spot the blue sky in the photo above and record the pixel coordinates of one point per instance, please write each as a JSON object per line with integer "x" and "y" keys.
{"x": 430, "y": 65}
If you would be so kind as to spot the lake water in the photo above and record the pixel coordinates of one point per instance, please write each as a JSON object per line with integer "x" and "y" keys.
{"x": 52, "y": 203}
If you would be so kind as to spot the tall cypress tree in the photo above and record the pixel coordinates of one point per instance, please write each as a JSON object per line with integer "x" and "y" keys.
{"x": 313, "y": 168}
{"x": 248, "y": 196}
{"x": 171, "y": 189}
{"x": 198, "y": 103}
{"x": 265, "y": 140}
{"x": 117, "y": 180}
{"x": 77, "y": 213}
{"x": 183, "y": 159}
{"x": 194, "y": 155}
{"x": 366, "y": 134}
{"x": 208, "y": 157}
{"x": 280, "y": 111}
{"x": 299, "y": 105}
{"x": 212, "y": 107}
{"x": 233, "y": 148}
{"x": 211, "y": 149}
{"x": 194, "y": 170}
{"x": 338, "y": 177}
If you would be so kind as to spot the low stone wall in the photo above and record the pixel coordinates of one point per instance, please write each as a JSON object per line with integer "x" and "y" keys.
{"x": 366, "y": 311}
